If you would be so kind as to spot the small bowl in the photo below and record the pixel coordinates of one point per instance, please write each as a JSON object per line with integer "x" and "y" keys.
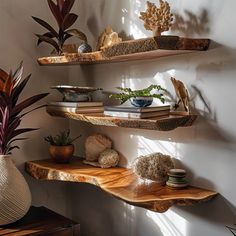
{"x": 75, "y": 93}
{"x": 141, "y": 101}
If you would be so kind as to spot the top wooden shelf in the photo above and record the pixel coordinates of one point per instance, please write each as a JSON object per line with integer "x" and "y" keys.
{"x": 133, "y": 50}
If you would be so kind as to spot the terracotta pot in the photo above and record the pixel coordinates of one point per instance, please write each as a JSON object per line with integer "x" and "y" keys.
{"x": 61, "y": 154}
{"x": 15, "y": 196}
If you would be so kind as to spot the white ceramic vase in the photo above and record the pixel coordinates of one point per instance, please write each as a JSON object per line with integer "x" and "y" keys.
{"x": 15, "y": 196}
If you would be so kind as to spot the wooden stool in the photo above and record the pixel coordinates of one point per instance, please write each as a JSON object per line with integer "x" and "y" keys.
{"x": 44, "y": 222}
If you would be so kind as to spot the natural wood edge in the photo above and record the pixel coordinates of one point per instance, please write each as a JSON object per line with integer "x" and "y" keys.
{"x": 140, "y": 49}
{"x": 159, "y": 124}
{"x": 122, "y": 183}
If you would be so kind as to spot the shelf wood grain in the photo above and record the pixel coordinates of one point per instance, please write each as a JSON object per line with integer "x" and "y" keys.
{"x": 132, "y": 50}
{"x": 160, "y": 123}
{"x": 121, "y": 183}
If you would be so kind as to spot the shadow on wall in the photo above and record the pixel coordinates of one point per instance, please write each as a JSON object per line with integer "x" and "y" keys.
{"x": 191, "y": 24}
{"x": 104, "y": 215}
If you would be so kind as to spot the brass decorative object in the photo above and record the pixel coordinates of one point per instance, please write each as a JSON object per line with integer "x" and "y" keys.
{"x": 158, "y": 20}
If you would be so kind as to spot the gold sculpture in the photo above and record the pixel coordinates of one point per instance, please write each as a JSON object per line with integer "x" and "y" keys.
{"x": 156, "y": 19}
{"x": 108, "y": 38}
{"x": 182, "y": 94}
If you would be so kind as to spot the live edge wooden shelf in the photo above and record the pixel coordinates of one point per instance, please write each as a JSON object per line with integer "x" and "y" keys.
{"x": 132, "y": 50}
{"x": 160, "y": 123}
{"x": 121, "y": 183}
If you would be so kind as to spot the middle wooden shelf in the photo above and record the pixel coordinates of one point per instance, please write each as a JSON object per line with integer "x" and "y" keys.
{"x": 165, "y": 123}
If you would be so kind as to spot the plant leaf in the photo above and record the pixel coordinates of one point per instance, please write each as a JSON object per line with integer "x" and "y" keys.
{"x": 68, "y": 4}
{"x": 56, "y": 12}
{"x": 48, "y": 34}
{"x": 78, "y": 34}
{"x": 8, "y": 85}
{"x": 60, "y": 4}
{"x": 69, "y": 20}
{"x": 45, "y": 25}
{"x": 26, "y": 103}
{"x": 18, "y": 90}
{"x": 50, "y": 41}
{"x": 26, "y": 113}
{"x": 17, "y": 76}
{"x": 21, "y": 131}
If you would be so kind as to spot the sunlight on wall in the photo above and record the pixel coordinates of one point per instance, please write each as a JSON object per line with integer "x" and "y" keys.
{"x": 170, "y": 223}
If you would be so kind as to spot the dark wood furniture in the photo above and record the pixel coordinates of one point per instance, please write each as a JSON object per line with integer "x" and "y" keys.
{"x": 41, "y": 221}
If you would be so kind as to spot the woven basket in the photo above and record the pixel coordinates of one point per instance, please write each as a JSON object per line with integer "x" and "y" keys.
{"x": 15, "y": 196}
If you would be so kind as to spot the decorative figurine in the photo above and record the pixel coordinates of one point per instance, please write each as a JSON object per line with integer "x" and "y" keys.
{"x": 158, "y": 20}
{"x": 108, "y": 38}
{"x": 182, "y": 94}
{"x": 154, "y": 167}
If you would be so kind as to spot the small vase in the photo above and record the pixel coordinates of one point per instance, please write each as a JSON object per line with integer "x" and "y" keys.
{"x": 15, "y": 196}
{"x": 141, "y": 101}
{"x": 61, "y": 154}
{"x": 84, "y": 48}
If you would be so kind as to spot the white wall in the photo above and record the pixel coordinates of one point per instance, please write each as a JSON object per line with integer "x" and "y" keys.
{"x": 206, "y": 150}
{"x": 17, "y": 42}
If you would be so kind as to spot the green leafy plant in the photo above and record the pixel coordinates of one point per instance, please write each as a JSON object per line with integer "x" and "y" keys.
{"x": 62, "y": 139}
{"x": 61, "y": 12}
{"x": 12, "y": 110}
{"x": 128, "y": 93}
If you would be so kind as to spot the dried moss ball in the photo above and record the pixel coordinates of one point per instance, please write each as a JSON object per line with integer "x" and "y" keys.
{"x": 108, "y": 158}
{"x": 153, "y": 167}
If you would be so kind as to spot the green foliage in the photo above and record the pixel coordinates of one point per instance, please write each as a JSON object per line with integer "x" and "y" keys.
{"x": 128, "y": 93}
{"x": 62, "y": 139}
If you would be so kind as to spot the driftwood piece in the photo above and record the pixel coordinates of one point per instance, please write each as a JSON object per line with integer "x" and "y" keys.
{"x": 121, "y": 183}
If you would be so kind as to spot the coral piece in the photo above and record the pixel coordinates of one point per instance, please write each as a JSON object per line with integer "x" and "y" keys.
{"x": 94, "y": 145}
{"x": 154, "y": 167}
{"x": 109, "y": 158}
{"x": 156, "y": 19}
{"x": 108, "y": 38}
{"x": 182, "y": 94}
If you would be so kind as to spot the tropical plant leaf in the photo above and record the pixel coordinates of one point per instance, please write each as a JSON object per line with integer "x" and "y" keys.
{"x": 21, "y": 131}
{"x": 56, "y": 12}
{"x": 68, "y": 4}
{"x": 17, "y": 76}
{"x": 60, "y": 4}
{"x": 69, "y": 20}
{"x": 3, "y": 75}
{"x": 48, "y": 34}
{"x": 77, "y": 33}
{"x": 45, "y": 25}
{"x": 18, "y": 90}
{"x": 26, "y": 113}
{"x": 50, "y": 41}
{"x": 8, "y": 85}
{"x": 26, "y": 103}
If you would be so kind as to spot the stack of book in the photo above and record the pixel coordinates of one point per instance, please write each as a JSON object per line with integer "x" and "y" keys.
{"x": 177, "y": 178}
{"x": 137, "y": 112}
{"x": 78, "y": 107}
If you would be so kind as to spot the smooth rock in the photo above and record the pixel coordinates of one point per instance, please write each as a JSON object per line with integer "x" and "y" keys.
{"x": 95, "y": 145}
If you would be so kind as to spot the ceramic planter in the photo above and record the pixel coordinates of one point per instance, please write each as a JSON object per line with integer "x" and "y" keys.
{"x": 61, "y": 154}
{"x": 15, "y": 196}
{"x": 141, "y": 101}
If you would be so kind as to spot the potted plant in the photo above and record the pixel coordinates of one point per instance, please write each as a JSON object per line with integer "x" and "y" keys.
{"x": 140, "y": 98}
{"x": 65, "y": 19}
{"x": 15, "y": 195}
{"x": 61, "y": 147}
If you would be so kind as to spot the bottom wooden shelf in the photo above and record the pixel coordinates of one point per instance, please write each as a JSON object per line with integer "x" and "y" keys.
{"x": 121, "y": 183}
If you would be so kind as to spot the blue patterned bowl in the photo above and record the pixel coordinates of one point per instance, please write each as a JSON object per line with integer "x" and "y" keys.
{"x": 141, "y": 101}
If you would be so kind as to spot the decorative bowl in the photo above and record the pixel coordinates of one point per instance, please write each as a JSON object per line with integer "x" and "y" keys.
{"x": 141, "y": 101}
{"x": 61, "y": 154}
{"x": 75, "y": 93}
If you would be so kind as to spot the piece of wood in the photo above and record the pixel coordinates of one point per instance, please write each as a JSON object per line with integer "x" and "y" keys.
{"x": 121, "y": 183}
{"x": 41, "y": 221}
{"x": 160, "y": 123}
{"x": 140, "y": 49}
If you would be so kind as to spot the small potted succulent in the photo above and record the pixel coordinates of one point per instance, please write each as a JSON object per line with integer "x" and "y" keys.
{"x": 65, "y": 19}
{"x": 140, "y": 98}
{"x": 61, "y": 147}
